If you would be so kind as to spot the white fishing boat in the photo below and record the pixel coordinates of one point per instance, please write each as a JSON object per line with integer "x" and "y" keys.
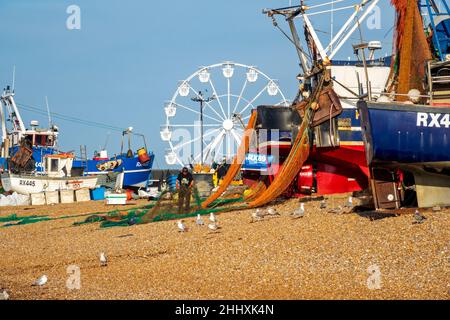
{"x": 57, "y": 176}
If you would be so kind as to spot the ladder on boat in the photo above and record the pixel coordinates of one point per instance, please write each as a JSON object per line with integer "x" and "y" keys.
{"x": 83, "y": 156}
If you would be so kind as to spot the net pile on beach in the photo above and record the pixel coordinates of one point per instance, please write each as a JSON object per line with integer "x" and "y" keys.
{"x": 15, "y": 220}
{"x": 166, "y": 208}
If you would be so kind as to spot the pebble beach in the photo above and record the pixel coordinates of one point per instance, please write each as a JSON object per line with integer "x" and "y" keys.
{"x": 324, "y": 255}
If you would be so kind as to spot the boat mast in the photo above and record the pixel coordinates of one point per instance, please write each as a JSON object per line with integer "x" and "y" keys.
{"x": 297, "y": 43}
{"x": 8, "y": 100}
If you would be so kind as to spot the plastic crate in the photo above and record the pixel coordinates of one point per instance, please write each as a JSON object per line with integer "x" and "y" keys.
{"x": 66, "y": 196}
{"x": 82, "y": 195}
{"x": 98, "y": 193}
{"x": 37, "y": 199}
{"x": 116, "y": 198}
{"x": 51, "y": 197}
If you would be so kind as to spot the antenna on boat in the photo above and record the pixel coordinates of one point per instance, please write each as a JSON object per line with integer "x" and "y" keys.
{"x": 363, "y": 47}
{"x": 48, "y": 113}
{"x": 14, "y": 78}
{"x": 332, "y": 25}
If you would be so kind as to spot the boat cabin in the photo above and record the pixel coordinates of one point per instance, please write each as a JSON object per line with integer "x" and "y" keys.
{"x": 59, "y": 165}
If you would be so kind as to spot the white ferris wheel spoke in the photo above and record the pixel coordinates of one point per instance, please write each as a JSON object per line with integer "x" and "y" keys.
{"x": 240, "y": 95}
{"x": 228, "y": 145}
{"x": 239, "y": 132}
{"x": 282, "y": 103}
{"x": 178, "y": 146}
{"x": 236, "y": 136}
{"x": 194, "y": 125}
{"x": 211, "y": 146}
{"x": 254, "y": 99}
{"x": 229, "y": 96}
{"x": 197, "y": 93}
{"x": 217, "y": 98}
{"x": 197, "y": 112}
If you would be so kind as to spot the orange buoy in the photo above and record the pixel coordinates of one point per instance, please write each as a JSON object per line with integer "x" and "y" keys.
{"x": 129, "y": 194}
{"x": 143, "y": 156}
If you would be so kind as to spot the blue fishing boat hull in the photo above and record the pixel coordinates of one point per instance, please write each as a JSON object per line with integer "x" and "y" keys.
{"x": 397, "y": 133}
{"x": 136, "y": 173}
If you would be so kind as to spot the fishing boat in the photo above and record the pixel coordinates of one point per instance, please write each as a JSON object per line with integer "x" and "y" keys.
{"x": 135, "y": 166}
{"x": 57, "y": 177}
{"x": 391, "y": 133}
{"x": 406, "y": 131}
{"x": 336, "y": 162}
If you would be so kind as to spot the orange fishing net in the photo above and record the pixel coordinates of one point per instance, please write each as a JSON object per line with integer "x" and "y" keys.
{"x": 292, "y": 165}
{"x": 297, "y": 156}
{"x": 261, "y": 194}
{"x": 411, "y": 47}
{"x": 237, "y": 162}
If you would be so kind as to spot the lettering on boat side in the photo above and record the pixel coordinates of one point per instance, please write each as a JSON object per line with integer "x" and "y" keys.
{"x": 27, "y": 183}
{"x": 430, "y": 120}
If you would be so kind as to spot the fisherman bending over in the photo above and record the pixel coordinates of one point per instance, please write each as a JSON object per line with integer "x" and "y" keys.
{"x": 185, "y": 181}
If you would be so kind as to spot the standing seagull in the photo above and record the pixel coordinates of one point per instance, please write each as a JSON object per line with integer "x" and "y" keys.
{"x": 4, "y": 295}
{"x": 300, "y": 212}
{"x": 103, "y": 259}
{"x": 181, "y": 226}
{"x": 212, "y": 217}
{"x": 41, "y": 281}
{"x": 418, "y": 217}
{"x": 199, "y": 221}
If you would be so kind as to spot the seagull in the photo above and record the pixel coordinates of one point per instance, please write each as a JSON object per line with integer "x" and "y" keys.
{"x": 323, "y": 204}
{"x": 257, "y": 215}
{"x": 103, "y": 259}
{"x": 418, "y": 217}
{"x": 437, "y": 208}
{"x": 181, "y": 226}
{"x": 272, "y": 212}
{"x": 300, "y": 212}
{"x": 212, "y": 217}
{"x": 41, "y": 281}
{"x": 213, "y": 227}
{"x": 349, "y": 203}
{"x": 336, "y": 210}
{"x": 4, "y": 295}
{"x": 199, "y": 221}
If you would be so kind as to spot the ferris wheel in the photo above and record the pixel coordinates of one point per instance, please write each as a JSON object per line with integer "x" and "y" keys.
{"x": 207, "y": 114}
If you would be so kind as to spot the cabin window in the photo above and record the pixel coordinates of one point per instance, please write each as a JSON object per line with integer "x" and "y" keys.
{"x": 42, "y": 140}
{"x": 53, "y": 165}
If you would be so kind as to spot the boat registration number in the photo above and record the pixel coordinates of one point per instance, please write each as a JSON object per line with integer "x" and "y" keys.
{"x": 436, "y": 120}
{"x": 27, "y": 183}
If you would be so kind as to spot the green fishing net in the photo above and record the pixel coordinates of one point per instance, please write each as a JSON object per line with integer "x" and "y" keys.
{"x": 166, "y": 208}
{"x": 15, "y": 220}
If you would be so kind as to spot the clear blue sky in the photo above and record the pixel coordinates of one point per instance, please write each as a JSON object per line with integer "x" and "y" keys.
{"x": 128, "y": 56}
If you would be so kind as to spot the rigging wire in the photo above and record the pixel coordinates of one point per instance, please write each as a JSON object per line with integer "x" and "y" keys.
{"x": 275, "y": 23}
{"x": 72, "y": 119}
